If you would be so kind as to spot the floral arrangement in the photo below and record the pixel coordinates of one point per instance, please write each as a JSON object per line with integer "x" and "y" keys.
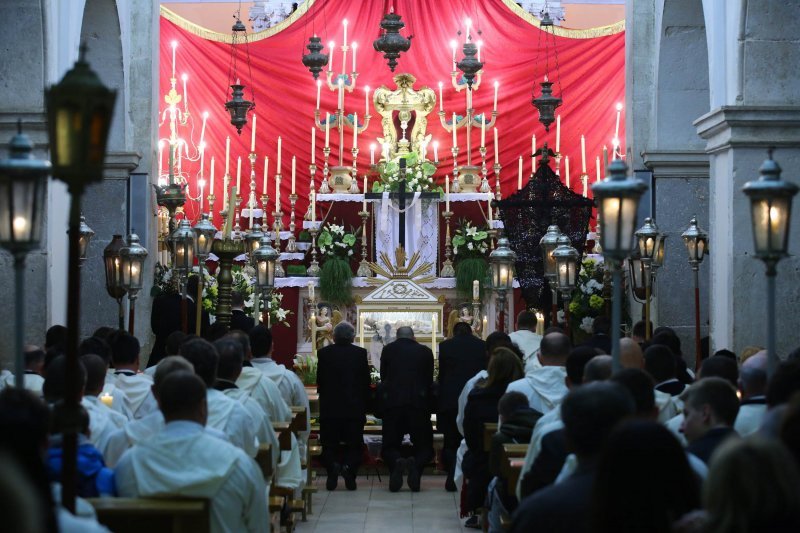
{"x": 305, "y": 366}
{"x": 470, "y": 241}
{"x": 587, "y": 299}
{"x": 419, "y": 175}
{"x": 334, "y": 241}
{"x": 336, "y": 276}
{"x": 374, "y": 375}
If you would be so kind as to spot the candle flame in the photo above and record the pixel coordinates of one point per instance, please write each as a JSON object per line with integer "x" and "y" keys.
{"x": 184, "y": 77}
{"x": 619, "y": 106}
{"x": 174, "y": 44}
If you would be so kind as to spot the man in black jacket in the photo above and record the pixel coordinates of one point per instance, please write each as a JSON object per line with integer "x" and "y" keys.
{"x": 239, "y": 319}
{"x": 460, "y": 358}
{"x": 343, "y": 385}
{"x": 406, "y": 379}
{"x": 166, "y": 317}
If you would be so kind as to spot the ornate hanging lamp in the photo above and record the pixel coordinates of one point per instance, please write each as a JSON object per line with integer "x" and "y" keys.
{"x": 391, "y": 43}
{"x": 315, "y": 60}
{"x": 470, "y": 65}
{"x": 546, "y": 103}
{"x": 237, "y": 106}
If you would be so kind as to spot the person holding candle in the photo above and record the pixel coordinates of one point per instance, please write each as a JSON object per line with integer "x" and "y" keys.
{"x": 343, "y": 383}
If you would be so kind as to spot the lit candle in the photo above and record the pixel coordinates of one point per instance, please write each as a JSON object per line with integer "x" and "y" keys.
{"x": 476, "y": 289}
{"x": 313, "y": 334}
{"x": 313, "y": 144}
{"x": 566, "y": 169}
{"x": 453, "y": 46}
{"x": 294, "y": 169}
{"x": 319, "y": 86}
{"x": 364, "y": 202}
{"x": 238, "y": 172}
{"x": 372, "y": 154}
{"x": 327, "y": 129}
{"x": 355, "y": 130}
{"x": 583, "y": 154}
{"x": 278, "y": 168}
{"x": 485, "y": 326}
{"x": 225, "y": 182}
{"x": 598, "y": 170}
{"x": 277, "y": 193}
{"x": 203, "y": 129}
{"x": 558, "y": 133}
{"x": 496, "y": 148}
{"x": 496, "y": 85}
{"x": 355, "y": 45}
{"x": 455, "y": 141}
{"x": 441, "y": 99}
{"x": 231, "y": 211}
{"x": 106, "y": 398}
{"x": 533, "y": 144}
{"x": 616, "y": 128}
{"x": 366, "y": 101}
{"x": 344, "y": 23}
{"x": 174, "y": 46}
{"x": 479, "y": 45}
{"x": 330, "y": 56}
{"x": 211, "y": 191}
{"x": 483, "y": 130}
{"x": 266, "y": 173}
{"x": 436, "y": 151}
{"x": 447, "y": 193}
{"x": 519, "y": 179}
{"x": 227, "y": 154}
{"x": 253, "y": 135}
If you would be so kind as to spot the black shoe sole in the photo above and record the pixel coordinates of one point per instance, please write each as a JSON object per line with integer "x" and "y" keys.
{"x": 414, "y": 477}
{"x": 396, "y": 477}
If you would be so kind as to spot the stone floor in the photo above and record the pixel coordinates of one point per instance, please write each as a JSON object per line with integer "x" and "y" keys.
{"x": 373, "y": 508}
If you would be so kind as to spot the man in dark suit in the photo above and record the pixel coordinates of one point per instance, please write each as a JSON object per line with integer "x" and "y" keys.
{"x": 406, "y": 379}
{"x": 460, "y": 358}
{"x": 239, "y": 320}
{"x": 343, "y": 384}
{"x": 709, "y": 412}
{"x": 166, "y": 314}
{"x": 659, "y": 362}
{"x": 601, "y": 331}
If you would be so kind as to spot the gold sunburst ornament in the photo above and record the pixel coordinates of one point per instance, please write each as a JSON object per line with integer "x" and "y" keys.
{"x": 399, "y": 270}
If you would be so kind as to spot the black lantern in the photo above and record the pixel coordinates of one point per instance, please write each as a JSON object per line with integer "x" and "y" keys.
{"x": 204, "y": 232}
{"x": 113, "y": 270}
{"x": 264, "y": 259}
{"x": 85, "y": 234}
{"x": 546, "y": 104}
{"x": 315, "y": 60}
{"x": 696, "y": 241}
{"x": 567, "y": 261}
{"x": 548, "y": 243}
{"x": 638, "y": 275}
{"x": 183, "y": 247}
{"x": 131, "y": 261}
{"x": 391, "y": 43}
{"x": 237, "y": 106}
{"x": 253, "y": 239}
{"x": 79, "y": 111}
{"x": 469, "y": 64}
{"x": 617, "y": 199}
{"x": 22, "y": 186}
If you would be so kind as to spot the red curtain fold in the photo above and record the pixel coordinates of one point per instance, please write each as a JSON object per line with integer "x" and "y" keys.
{"x": 591, "y": 74}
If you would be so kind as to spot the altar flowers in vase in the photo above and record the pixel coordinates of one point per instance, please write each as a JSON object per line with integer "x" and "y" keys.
{"x": 587, "y": 300}
{"x": 305, "y": 366}
{"x": 470, "y": 246}
{"x": 419, "y": 175}
{"x": 336, "y": 277}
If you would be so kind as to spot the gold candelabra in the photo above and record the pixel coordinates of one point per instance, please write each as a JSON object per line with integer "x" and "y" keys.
{"x": 264, "y": 219}
{"x": 497, "y": 194}
{"x": 447, "y": 267}
{"x": 310, "y": 214}
{"x": 485, "y": 188}
{"x": 456, "y": 186}
{"x": 313, "y": 269}
{"x": 364, "y": 270}
{"x": 324, "y": 187}
{"x": 354, "y": 181}
{"x": 251, "y": 200}
{"x": 291, "y": 245}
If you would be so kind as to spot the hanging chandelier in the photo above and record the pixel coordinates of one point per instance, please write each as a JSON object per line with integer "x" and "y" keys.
{"x": 315, "y": 60}
{"x": 546, "y": 103}
{"x": 237, "y": 106}
{"x": 391, "y": 43}
{"x": 470, "y": 64}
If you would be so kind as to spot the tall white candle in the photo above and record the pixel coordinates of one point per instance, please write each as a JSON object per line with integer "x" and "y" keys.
{"x": 253, "y": 135}
{"x": 476, "y": 289}
{"x": 227, "y": 155}
{"x": 277, "y": 192}
{"x": 319, "y": 87}
{"x": 203, "y": 129}
{"x": 211, "y": 190}
{"x": 239, "y": 173}
{"x": 566, "y": 169}
{"x": 174, "y": 46}
{"x": 483, "y": 130}
{"x": 447, "y": 193}
{"x": 372, "y": 154}
{"x": 453, "y": 46}
{"x": 160, "y": 158}
{"x": 310, "y": 291}
{"x": 436, "y": 151}
{"x": 366, "y": 101}
{"x": 313, "y": 144}
{"x": 533, "y": 144}
{"x": 355, "y": 130}
{"x": 331, "y": 45}
{"x": 455, "y": 141}
{"x": 496, "y": 85}
{"x": 519, "y": 178}
{"x": 355, "y": 45}
{"x": 496, "y": 148}
{"x": 598, "y": 170}
{"x": 583, "y": 154}
{"x": 184, "y": 77}
{"x": 479, "y": 44}
{"x": 616, "y": 128}
{"x": 558, "y": 133}
{"x": 441, "y": 99}
{"x": 266, "y": 174}
{"x": 327, "y": 129}
{"x": 344, "y": 23}
{"x": 364, "y": 201}
{"x": 294, "y": 171}
{"x": 278, "y": 168}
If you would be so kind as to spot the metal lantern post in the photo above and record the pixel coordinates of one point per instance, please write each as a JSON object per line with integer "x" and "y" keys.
{"x": 567, "y": 260}
{"x": 617, "y": 199}
{"x": 114, "y": 275}
{"x": 649, "y": 240}
{"x": 771, "y": 209}
{"x": 79, "y": 112}
{"x": 131, "y": 265}
{"x": 501, "y": 261}
{"x": 696, "y": 241}
{"x": 22, "y": 184}
{"x": 85, "y": 234}
{"x": 183, "y": 249}
{"x": 264, "y": 259}
{"x": 548, "y": 243}
{"x": 204, "y": 232}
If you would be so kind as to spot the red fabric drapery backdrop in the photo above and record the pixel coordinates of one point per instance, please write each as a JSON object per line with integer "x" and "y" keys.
{"x": 591, "y": 73}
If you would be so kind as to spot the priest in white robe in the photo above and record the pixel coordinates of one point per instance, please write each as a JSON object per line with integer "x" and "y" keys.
{"x": 545, "y": 387}
{"x": 103, "y": 421}
{"x": 34, "y": 364}
{"x": 135, "y": 385}
{"x": 184, "y": 460}
{"x": 526, "y": 339}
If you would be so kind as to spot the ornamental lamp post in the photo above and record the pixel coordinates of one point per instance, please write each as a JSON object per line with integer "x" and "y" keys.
{"x": 617, "y": 199}
{"x": 79, "y": 111}
{"x": 567, "y": 266}
{"x": 548, "y": 243}
{"x": 650, "y": 244}
{"x": 183, "y": 247}
{"x": 696, "y": 241}
{"x": 253, "y": 239}
{"x": 264, "y": 259}
{"x": 501, "y": 261}
{"x": 771, "y": 209}
{"x": 131, "y": 265}
{"x": 114, "y": 287}
{"x": 204, "y": 232}
{"x": 85, "y": 234}
{"x": 22, "y": 184}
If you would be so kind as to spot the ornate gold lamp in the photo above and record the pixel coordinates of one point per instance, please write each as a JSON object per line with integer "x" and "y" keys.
{"x": 696, "y": 241}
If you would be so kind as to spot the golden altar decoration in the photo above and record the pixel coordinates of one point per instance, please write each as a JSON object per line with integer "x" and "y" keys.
{"x": 402, "y": 109}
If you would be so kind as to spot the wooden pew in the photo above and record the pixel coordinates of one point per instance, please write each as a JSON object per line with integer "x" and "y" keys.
{"x": 299, "y": 419}
{"x": 284, "y": 433}
{"x": 264, "y": 460}
{"x": 489, "y": 429}
{"x": 512, "y": 460}
{"x": 162, "y": 515}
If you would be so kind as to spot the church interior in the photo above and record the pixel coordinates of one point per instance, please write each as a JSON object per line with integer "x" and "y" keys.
{"x": 334, "y": 265}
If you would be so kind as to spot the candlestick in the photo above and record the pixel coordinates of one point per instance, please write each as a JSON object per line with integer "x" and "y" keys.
{"x": 327, "y": 129}
{"x": 364, "y": 201}
{"x": 364, "y": 269}
{"x": 519, "y": 177}
{"x": 558, "y": 134}
{"x": 476, "y": 290}
{"x": 566, "y": 167}
{"x": 251, "y": 201}
{"x": 313, "y": 269}
{"x": 447, "y": 267}
{"x": 264, "y": 217}
{"x": 253, "y": 135}
{"x": 496, "y": 147}
{"x": 278, "y": 192}
{"x": 291, "y": 245}
{"x": 455, "y": 141}
{"x": 212, "y": 176}
{"x": 294, "y": 165}
{"x": 355, "y": 130}
{"x": 313, "y": 144}
{"x": 447, "y": 193}
{"x": 340, "y": 105}
{"x": 583, "y": 154}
